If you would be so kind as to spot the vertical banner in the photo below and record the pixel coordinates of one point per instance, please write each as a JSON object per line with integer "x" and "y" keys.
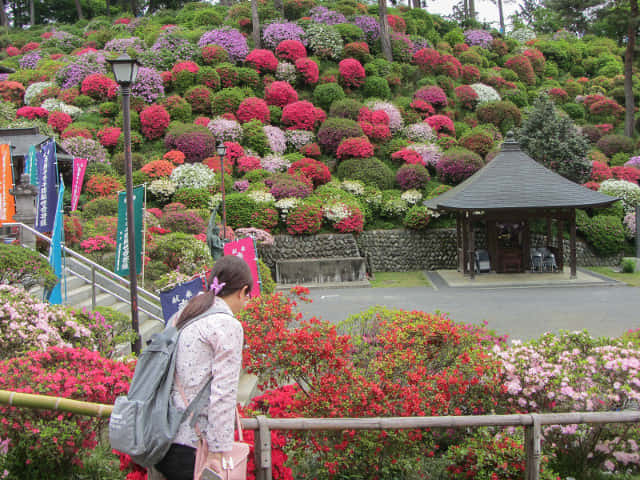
{"x": 122, "y": 237}
{"x": 31, "y": 166}
{"x": 79, "y": 167}
{"x": 176, "y": 298}
{"x": 245, "y": 249}
{"x": 7, "y": 201}
{"x": 55, "y": 252}
{"x": 46, "y": 204}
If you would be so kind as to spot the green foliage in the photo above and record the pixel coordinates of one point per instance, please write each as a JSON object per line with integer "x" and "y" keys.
{"x": 117, "y": 162}
{"x": 574, "y": 110}
{"x": 554, "y": 141}
{"x": 377, "y": 87}
{"x": 628, "y": 265}
{"x": 228, "y": 100}
{"x": 100, "y": 207}
{"x": 619, "y": 159}
{"x": 268, "y": 285}
{"x": 193, "y": 198}
{"x": 20, "y": 265}
{"x": 349, "y": 32}
{"x": 254, "y": 137}
{"x": 239, "y": 210}
{"x": 370, "y": 171}
{"x": 325, "y": 94}
{"x": 417, "y": 217}
{"x": 182, "y": 250}
{"x": 346, "y": 108}
{"x": 605, "y": 234}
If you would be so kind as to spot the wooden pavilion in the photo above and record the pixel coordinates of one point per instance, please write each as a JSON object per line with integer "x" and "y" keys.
{"x": 505, "y": 195}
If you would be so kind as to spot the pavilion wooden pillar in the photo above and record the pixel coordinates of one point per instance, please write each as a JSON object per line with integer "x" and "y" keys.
{"x": 465, "y": 243}
{"x": 572, "y": 243}
{"x": 459, "y": 234}
{"x": 472, "y": 249}
{"x": 549, "y": 233}
{"x": 560, "y": 242}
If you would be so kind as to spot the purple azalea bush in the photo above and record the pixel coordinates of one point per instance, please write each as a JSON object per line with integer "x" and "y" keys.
{"x": 395, "y": 117}
{"x": 121, "y": 45}
{"x": 63, "y": 40}
{"x": 241, "y": 185}
{"x": 30, "y": 60}
{"x": 225, "y": 130}
{"x": 81, "y": 147}
{"x": 228, "y": 38}
{"x": 298, "y": 138}
{"x": 148, "y": 85}
{"x": 275, "y": 137}
{"x": 633, "y": 162}
{"x": 274, "y": 163}
{"x": 429, "y": 152}
{"x": 72, "y": 74}
{"x": 274, "y": 33}
{"x": 328, "y": 17}
{"x": 4, "y": 77}
{"x": 370, "y": 27}
{"x": 478, "y": 37}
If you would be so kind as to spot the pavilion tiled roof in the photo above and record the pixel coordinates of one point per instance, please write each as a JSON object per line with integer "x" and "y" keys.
{"x": 21, "y": 140}
{"x": 513, "y": 180}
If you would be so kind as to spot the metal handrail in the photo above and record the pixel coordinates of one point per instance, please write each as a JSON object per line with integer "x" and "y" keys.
{"x": 110, "y": 276}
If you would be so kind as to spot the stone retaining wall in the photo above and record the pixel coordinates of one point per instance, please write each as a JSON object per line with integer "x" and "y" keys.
{"x": 400, "y": 250}
{"x": 585, "y": 256}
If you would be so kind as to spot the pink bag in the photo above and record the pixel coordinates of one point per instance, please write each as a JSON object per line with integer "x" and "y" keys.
{"x": 234, "y": 464}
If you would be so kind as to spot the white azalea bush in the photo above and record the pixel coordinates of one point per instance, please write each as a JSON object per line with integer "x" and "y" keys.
{"x": 485, "y": 93}
{"x": 194, "y": 175}
{"x": 628, "y": 192}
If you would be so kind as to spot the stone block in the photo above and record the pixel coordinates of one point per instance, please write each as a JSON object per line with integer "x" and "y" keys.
{"x": 321, "y": 270}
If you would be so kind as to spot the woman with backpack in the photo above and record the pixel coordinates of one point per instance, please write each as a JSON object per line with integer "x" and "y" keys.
{"x": 209, "y": 348}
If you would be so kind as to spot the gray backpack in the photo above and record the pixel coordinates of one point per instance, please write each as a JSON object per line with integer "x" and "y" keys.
{"x": 144, "y": 423}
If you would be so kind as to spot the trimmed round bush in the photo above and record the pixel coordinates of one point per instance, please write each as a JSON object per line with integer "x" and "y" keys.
{"x": 196, "y": 146}
{"x": 253, "y": 108}
{"x": 613, "y": 143}
{"x": 412, "y": 176}
{"x": 370, "y": 171}
{"x": 280, "y": 94}
{"x": 334, "y": 130}
{"x": 324, "y": 95}
{"x": 239, "y": 210}
{"x": 285, "y": 186}
{"x": 264, "y": 61}
{"x": 227, "y": 100}
{"x": 304, "y": 219}
{"x": 478, "y": 140}
{"x": 457, "y": 164}
{"x": 254, "y": 137}
{"x": 313, "y": 169}
{"x": 199, "y": 97}
{"x": 605, "y": 234}
{"x": 154, "y": 120}
{"x": 357, "y": 147}
{"x": 346, "y": 108}
{"x": 377, "y": 87}
{"x": 417, "y": 217}
{"x": 178, "y": 108}
{"x": 503, "y": 114}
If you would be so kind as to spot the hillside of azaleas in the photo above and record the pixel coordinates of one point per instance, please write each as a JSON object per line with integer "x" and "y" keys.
{"x": 322, "y": 133}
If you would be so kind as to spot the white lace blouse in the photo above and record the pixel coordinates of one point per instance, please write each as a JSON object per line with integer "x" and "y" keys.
{"x": 211, "y": 345}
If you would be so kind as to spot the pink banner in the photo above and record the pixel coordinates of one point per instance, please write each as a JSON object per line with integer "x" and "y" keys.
{"x": 244, "y": 249}
{"x": 79, "y": 167}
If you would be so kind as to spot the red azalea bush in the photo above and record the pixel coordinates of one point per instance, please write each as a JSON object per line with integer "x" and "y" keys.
{"x": 158, "y": 168}
{"x": 536, "y": 57}
{"x": 174, "y": 156}
{"x": 458, "y": 164}
{"x": 102, "y": 186}
{"x": 228, "y": 74}
{"x": 595, "y": 186}
{"x": 69, "y": 95}
{"x": 188, "y": 66}
{"x": 606, "y": 109}
{"x": 290, "y": 50}
{"x": 196, "y": 146}
{"x": 310, "y": 150}
{"x": 99, "y": 87}
{"x": 12, "y": 92}
{"x": 396, "y": 23}
{"x": 32, "y": 112}
{"x": 479, "y": 140}
{"x": 280, "y": 94}
{"x": 466, "y": 97}
{"x": 351, "y": 72}
{"x": 433, "y": 95}
{"x": 214, "y": 164}
{"x": 59, "y": 121}
{"x": 449, "y": 65}
{"x": 315, "y": 170}
{"x": 308, "y": 69}
{"x": 12, "y": 51}
{"x": 72, "y": 131}
{"x": 630, "y": 174}
{"x": 154, "y": 120}
{"x": 357, "y": 50}
{"x": 441, "y": 124}
{"x": 264, "y": 61}
{"x": 45, "y": 443}
{"x": 199, "y": 97}
{"x": 253, "y": 108}
{"x": 427, "y": 60}
{"x": 202, "y": 121}
{"x": 356, "y": 147}
{"x": 304, "y": 219}
{"x": 265, "y": 218}
{"x": 412, "y": 176}
{"x": 247, "y": 163}
{"x": 600, "y": 172}
{"x": 522, "y": 66}
{"x": 354, "y": 223}
{"x": 470, "y": 74}
{"x": 108, "y": 137}
{"x": 409, "y": 156}
{"x": 503, "y": 114}
{"x": 213, "y": 54}
{"x": 423, "y": 108}
{"x": 559, "y": 95}
{"x": 300, "y": 115}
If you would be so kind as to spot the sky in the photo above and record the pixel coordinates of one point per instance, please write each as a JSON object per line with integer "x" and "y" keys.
{"x": 487, "y": 10}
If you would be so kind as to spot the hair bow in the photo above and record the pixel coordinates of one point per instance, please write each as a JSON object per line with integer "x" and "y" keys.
{"x": 216, "y": 285}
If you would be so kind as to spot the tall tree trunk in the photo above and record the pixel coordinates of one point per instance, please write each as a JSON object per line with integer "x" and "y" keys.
{"x": 134, "y": 7}
{"x": 4, "y": 20}
{"x": 32, "y": 13}
{"x": 465, "y": 9}
{"x": 629, "y": 105}
{"x": 255, "y": 21}
{"x": 385, "y": 38}
{"x": 416, "y": 4}
{"x": 108, "y": 8}
{"x": 501, "y": 15}
{"x": 279, "y": 6}
{"x": 79, "y": 10}
{"x": 472, "y": 9}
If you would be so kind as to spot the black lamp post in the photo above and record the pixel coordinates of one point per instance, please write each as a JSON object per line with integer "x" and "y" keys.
{"x": 125, "y": 69}
{"x": 221, "y": 149}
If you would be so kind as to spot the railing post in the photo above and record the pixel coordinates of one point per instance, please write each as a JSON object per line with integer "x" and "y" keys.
{"x": 93, "y": 287}
{"x": 262, "y": 449}
{"x": 532, "y": 448}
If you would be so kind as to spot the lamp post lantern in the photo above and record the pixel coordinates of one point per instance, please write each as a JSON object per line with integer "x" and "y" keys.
{"x": 125, "y": 70}
{"x": 221, "y": 149}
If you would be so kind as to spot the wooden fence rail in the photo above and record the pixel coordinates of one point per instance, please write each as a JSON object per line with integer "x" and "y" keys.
{"x": 262, "y": 425}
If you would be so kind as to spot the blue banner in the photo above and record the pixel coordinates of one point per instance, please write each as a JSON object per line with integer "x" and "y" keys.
{"x": 55, "y": 252}
{"x": 31, "y": 166}
{"x": 176, "y": 298}
{"x": 46, "y": 204}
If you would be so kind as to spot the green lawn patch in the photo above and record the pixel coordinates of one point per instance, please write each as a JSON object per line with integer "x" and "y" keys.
{"x": 399, "y": 279}
{"x": 632, "y": 279}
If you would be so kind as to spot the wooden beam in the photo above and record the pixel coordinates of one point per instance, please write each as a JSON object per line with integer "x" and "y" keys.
{"x": 532, "y": 449}
{"x": 572, "y": 244}
{"x": 560, "y": 241}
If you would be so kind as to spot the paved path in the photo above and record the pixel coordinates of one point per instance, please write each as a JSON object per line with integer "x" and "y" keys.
{"x": 522, "y": 313}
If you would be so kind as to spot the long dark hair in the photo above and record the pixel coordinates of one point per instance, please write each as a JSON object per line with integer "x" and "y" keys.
{"x": 230, "y": 270}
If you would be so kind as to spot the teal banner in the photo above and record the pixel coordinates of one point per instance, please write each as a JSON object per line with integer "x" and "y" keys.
{"x": 122, "y": 238}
